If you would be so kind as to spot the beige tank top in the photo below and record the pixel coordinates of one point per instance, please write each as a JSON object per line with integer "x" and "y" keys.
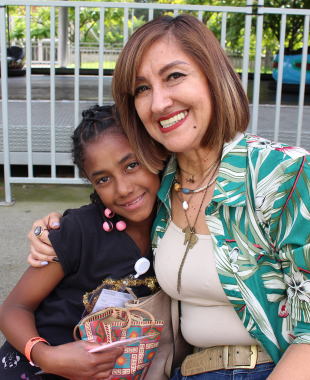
{"x": 208, "y": 318}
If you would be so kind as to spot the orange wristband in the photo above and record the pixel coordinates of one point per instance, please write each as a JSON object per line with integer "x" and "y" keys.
{"x": 29, "y": 347}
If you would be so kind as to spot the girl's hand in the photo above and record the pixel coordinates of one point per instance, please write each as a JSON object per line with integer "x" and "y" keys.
{"x": 41, "y": 251}
{"x": 73, "y": 361}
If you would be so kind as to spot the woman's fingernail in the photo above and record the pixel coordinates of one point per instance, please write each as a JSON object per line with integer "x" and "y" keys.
{"x": 55, "y": 224}
{"x": 56, "y": 259}
{"x": 43, "y": 263}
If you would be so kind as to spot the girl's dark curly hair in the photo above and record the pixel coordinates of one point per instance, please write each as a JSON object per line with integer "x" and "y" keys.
{"x": 96, "y": 122}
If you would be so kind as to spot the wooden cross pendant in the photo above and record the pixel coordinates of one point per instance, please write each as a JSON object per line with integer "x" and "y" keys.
{"x": 190, "y": 240}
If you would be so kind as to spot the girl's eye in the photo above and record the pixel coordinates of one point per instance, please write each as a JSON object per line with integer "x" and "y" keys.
{"x": 132, "y": 165}
{"x": 175, "y": 76}
{"x": 102, "y": 180}
{"x": 140, "y": 89}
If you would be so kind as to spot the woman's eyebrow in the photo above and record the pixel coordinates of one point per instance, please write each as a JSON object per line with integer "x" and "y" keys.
{"x": 169, "y": 65}
{"x": 163, "y": 69}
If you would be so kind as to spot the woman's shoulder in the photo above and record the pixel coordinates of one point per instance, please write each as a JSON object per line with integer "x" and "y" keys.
{"x": 280, "y": 151}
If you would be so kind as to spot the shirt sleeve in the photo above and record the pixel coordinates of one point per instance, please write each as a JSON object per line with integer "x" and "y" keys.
{"x": 67, "y": 242}
{"x": 290, "y": 232}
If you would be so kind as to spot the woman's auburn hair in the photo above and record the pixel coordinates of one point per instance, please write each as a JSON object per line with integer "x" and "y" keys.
{"x": 230, "y": 113}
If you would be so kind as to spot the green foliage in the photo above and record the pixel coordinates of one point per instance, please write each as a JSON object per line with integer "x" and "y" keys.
{"x": 89, "y": 23}
{"x": 294, "y": 23}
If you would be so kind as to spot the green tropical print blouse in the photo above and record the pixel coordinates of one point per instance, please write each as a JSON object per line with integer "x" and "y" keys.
{"x": 259, "y": 219}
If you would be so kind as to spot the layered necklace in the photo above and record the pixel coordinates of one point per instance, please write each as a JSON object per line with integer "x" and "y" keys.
{"x": 190, "y": 236}
{"x": 184, "y": 190}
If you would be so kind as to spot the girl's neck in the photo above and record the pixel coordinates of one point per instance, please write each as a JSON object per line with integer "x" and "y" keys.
{"x": 140, "y": 232}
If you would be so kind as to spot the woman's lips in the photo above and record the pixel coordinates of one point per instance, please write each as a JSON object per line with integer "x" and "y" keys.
{"x": 133, "y": 203}
{"x": 171, "y": 122}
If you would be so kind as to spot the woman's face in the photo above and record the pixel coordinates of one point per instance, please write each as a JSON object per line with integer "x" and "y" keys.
{"x": 172, "y": 97}
{"x": 123, "y": 185}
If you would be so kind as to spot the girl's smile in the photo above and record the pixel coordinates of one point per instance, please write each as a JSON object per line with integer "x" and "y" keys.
{"x": 123, "y": 185}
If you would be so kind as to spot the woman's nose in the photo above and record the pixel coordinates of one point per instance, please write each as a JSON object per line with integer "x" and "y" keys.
{"x": 160, "y": 100}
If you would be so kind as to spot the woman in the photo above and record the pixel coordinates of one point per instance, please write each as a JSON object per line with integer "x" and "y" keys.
{"x": 231, "y": 236}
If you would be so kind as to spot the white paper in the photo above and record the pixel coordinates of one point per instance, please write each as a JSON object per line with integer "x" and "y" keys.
{"x": 109, "y": 298}
{"x": 120, "y": 343}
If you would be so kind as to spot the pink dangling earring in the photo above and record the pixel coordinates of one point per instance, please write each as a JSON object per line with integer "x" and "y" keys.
{"x": 121, "y": 225}
{"x": 108, "y": 213}
{"x": 107, "y": 226}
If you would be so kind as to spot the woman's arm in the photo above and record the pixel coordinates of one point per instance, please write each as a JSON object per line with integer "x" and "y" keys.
{"x": 71, "y": 360}
{"x": 41, "y": 250}
{"x": 294, "y": 364}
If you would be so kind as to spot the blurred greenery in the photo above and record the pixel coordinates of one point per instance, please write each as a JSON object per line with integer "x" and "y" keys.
{"x": 113, "y": 31}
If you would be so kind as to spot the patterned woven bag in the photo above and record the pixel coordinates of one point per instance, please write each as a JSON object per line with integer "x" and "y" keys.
{"x": 114, "y": 324}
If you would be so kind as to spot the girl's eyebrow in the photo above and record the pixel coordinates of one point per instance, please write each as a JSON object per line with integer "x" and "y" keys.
{"x": 129, "y": 156}
{"x": 163, "y": 69}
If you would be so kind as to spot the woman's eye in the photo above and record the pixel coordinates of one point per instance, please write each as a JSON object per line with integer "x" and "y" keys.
{"x": 140, "y": 89}
{"x": 175, "y": 76}
{"x": 132, "y": 165}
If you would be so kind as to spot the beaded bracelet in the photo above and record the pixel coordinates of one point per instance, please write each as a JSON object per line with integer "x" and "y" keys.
{"x": 29, "y": 346}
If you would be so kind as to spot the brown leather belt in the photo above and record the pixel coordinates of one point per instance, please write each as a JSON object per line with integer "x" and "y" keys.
{"x": 224, "y": 357}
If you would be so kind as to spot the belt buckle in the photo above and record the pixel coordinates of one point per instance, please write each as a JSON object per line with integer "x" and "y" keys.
{"x": 253, "y": 361}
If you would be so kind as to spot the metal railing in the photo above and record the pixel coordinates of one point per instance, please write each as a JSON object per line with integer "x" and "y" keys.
{"x": 260, "y": 11}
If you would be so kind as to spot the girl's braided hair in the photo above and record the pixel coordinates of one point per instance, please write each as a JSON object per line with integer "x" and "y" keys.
{"x": 96, "y": 122}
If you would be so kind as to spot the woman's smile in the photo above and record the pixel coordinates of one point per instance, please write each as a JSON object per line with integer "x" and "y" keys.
{"x": 172, "y": 97}
{"x": 172, "y": 121}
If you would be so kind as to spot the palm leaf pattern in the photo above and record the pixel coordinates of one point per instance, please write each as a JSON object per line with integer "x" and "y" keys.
{"x": 260, "y": 229}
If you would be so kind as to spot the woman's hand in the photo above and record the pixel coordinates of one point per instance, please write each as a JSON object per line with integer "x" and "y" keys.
{"x": 73, "y": 361}
{"x": 41, "y": 251}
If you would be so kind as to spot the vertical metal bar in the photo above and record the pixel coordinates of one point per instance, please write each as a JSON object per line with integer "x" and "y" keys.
{"x": 280, "y": 77}
{"x": 101, "y": 55}
{"x": 125, "y": 26}
{"x": 258, "y": 53}
{"x": 302, "y": 79}
{"x": 77, "y": 73}
{"x": 5, "y": 109}
{"x": 52, "y": 80}
{"x": 246, "y": 46}
{"x": 223, "y": 29}
{"x": 151, "y": 14}
{"x": 200, "y": 13}
{"x": 28, "y": 90}
{"x": 175, "y": 13}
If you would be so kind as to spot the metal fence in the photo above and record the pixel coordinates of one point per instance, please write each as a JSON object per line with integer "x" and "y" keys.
{"x": 258, "y": 9}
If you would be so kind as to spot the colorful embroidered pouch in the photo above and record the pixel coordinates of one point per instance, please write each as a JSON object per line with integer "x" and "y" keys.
{"x": 114, "y": 324}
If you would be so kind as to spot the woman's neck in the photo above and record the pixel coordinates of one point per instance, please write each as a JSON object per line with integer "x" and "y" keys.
{"x": 197, "y": 160}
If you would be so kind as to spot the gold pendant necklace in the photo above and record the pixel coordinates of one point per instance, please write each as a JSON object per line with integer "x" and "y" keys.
{"x": 190, "y": 239}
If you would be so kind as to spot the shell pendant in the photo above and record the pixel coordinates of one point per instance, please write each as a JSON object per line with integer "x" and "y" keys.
{"x": 185, "y": 205}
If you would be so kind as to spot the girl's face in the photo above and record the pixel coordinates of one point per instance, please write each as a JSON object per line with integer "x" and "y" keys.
{"x": 172, "y": 97}
{"x": 123, "y": 185}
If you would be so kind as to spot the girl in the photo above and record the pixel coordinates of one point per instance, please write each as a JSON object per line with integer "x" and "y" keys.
{"x": 89, "y": 250}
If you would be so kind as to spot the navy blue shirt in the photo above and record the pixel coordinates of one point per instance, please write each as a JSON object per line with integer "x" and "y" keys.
{"x": 88, "y": 255}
